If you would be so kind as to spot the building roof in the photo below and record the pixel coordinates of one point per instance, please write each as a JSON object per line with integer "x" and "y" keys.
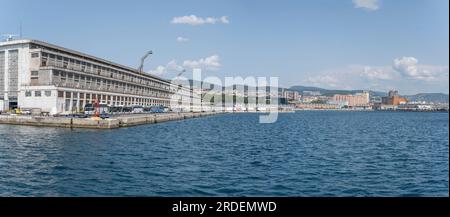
{"x": 84, "y": 55}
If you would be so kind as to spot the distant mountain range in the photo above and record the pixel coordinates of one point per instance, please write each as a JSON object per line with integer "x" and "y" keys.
{"x": 427, "y": 97}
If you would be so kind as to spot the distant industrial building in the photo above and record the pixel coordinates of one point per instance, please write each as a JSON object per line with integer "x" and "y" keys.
{"x": 393, "y": 98}
{"x": 35, "y": 74}
{"x": 357, "y": 100}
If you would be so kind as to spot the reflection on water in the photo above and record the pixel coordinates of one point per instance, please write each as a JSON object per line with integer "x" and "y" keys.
{"x": 311, "y": 153}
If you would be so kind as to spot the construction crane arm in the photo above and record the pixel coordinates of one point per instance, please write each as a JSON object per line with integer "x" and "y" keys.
{"x": 182, "y": 71}
{"x": 141, "y": 67}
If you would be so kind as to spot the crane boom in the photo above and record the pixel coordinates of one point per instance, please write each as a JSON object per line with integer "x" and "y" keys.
{"x": 141, "y": 67}
{"x": 182, "y": 71}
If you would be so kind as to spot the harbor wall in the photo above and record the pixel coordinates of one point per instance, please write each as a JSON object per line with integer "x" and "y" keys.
{"x": 108, "y": 123}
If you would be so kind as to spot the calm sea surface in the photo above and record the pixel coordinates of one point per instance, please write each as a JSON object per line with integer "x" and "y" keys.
{"x": 310, "y": 153}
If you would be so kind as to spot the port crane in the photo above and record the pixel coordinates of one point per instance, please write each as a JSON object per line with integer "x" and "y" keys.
{"x": 180, "y": 73}
{"x": 141, "y": 66}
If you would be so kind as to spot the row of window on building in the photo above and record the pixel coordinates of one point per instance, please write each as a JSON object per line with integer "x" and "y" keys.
{"x": 101, "y": 97}
{"x": 61, "y": 77}
{"x": 110, "y": 99}
{"x": 49, "y": 59}
{"x": 38, "y": 93}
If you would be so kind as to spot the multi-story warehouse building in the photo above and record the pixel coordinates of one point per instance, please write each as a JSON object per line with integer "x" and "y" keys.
{"x": 35, "y": 74}
{"x": 393, "y": 98}
{"x": 357, "y": 100}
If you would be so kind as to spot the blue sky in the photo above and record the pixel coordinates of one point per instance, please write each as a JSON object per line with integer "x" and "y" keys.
{"x": 344, "y": 44}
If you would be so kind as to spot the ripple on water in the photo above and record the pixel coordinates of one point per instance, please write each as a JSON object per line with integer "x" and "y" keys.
{"x": 310, "y": 153}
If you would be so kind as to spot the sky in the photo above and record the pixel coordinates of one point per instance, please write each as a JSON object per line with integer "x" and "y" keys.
{"x": 338, "y": 44}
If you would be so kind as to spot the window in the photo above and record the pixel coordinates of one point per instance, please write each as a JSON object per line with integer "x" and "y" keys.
{"x": 44, "y": 61}
{"x": 27, "y": 93}
{"x": 37, "y": 93}
{"x": 48, "y": 93}
{"x": 34, "y": 55}
{"x": 60, "y": 94}
{"x": 34, "y": 77}
{"x": 65, "y": 62}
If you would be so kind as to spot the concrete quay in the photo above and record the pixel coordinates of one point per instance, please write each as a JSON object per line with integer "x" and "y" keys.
{"x": 108, "y": 123}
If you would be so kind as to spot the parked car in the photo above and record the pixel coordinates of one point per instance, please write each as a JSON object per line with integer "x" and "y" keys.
{"x": 89, "y": 109}
{"x": 26, "y": 111}
{"x": 157, "y": 109}
{"x": 137, "y": 109}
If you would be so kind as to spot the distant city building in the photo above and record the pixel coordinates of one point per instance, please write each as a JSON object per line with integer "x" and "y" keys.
{"x": 375, "y": 99}
{"x": 393, "y": 93}
{"x": 291, "y": 95}
{"x": 393, "y": 98}
{"x": 357, "y": 100}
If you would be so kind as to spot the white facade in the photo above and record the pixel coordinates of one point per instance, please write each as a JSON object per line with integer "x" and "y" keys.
{"x": 36, "y": 74}
{"x": 14, "y": 70}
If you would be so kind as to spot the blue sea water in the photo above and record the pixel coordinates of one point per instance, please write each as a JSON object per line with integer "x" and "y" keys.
{"x": 307, "y": 153}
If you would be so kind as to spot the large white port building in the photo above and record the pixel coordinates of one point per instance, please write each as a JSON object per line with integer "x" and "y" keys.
{"x": 57, "y": 80}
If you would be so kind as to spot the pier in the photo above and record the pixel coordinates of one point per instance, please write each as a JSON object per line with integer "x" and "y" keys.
{"x": 107, "y": 123}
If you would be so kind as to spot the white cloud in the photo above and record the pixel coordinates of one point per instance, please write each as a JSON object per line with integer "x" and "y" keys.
{"x": 405, "y": 74}
{"x": 323, "y": 80}
{"x": 159, "y": 70}
{"x": 172, "y": 65}
{"x": 409, "y": 68}
{"x": 351, "y": 77}
{"x": 224, "y": 19}
{"x": 194, "y": 20}
{"x": 211, "y": 63}
{"x": 371, "y": 5}
{"x": 182, "y": 39}
{"x": 374, "y": 73}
